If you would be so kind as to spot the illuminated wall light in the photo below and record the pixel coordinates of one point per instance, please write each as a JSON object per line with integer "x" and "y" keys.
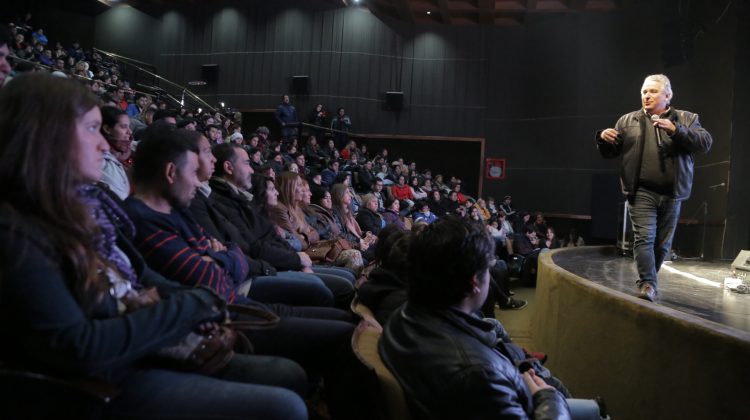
{"x": 429, "y": 12}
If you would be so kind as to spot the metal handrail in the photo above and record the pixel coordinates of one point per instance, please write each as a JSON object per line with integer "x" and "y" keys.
{"x": 184, "y": 90}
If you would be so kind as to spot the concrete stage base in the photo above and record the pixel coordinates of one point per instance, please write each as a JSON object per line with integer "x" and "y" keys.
{"x": 646, "y": 360}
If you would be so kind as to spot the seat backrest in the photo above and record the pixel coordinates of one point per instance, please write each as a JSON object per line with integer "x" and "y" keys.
{"x": 365, "y": 345}
{"x": 31, "y": 395}
{"x": 365, "y": 313}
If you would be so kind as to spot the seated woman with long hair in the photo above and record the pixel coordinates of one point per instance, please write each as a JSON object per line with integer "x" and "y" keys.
{"x": 339, "y": 280}
{"x": 287, "y": 213}
{"x": 289, "y": 216}
{"x": 318, "y": 213}
{"x": 73, "y": 297}
{"x": 119, "y": 159}
{"x": 350, "y": 230}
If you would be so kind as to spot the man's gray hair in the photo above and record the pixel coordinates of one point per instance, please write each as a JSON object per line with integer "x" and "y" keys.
{"x": 663, "y": 80}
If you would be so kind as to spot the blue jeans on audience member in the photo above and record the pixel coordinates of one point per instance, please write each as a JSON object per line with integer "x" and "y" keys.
{"x": 340, "y": 281}
{"x": 291, "y": 288}
{"x": 654, "y": 218}
{"x": 583, "y": 409}
{"x": 336, "y": 271}
{"x": 250, "y": 387}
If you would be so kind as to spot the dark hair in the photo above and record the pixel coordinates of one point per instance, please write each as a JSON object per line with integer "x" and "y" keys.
{"x": 386, "y": 238}
{"x": 397, "y": 259}
{"x": 6, "y": 37}
{"x": 225, "y": 152}
{"x": 160, "y": 145}
{"x": 110, "y": 117}
{"x": 164, "y": 113}
{"x": 36, "y": 174}
{"x": 185, "y": 122}
{"x": 443, "y": 259}
{"x": 192, "y": 138}
{"x": 318, "y": 192}
{"x": 259, "y": 190}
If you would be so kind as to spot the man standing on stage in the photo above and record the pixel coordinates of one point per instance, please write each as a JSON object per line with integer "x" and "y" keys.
{"x": 657, "y": 144}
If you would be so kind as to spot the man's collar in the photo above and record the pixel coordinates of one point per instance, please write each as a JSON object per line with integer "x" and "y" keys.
{"x": 233, "y": 188}
{"x": 204, "y": 189}
{"x": 661, "y": 115}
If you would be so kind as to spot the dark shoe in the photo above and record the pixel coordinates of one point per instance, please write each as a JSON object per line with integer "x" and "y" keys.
{"x": 648, "y": 292}
{"x": 513, "y": 304}
{"x": 602, "y": 407}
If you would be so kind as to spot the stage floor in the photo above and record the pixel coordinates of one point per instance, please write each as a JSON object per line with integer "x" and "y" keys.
{"x": 689, "y": 286}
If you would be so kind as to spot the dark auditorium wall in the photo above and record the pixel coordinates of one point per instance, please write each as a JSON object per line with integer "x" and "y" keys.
{"x": 127, "y": 32}
{"x": 536, "y": 92}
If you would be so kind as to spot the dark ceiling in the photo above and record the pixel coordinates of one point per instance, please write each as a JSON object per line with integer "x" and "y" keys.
{"x": 487, "y": 12}
{"x": 447, "y": 12}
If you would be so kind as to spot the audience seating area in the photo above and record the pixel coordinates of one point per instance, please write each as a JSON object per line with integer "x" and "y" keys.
{"x": 404, "y": 194}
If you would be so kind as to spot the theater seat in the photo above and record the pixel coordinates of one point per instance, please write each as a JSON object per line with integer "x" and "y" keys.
{"x": 365, "y": 314}
{"x": 392, "y": 400}
{"x": 31, "y": 395}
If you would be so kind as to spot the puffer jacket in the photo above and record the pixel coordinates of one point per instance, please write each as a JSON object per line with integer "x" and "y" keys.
{"x": 689, "y": 138}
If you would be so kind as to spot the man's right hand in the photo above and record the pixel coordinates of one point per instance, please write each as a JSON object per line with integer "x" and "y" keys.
{"x": 609, "y": 135}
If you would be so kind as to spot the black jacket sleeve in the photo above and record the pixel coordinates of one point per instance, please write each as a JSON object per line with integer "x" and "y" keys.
{"x": 52, "y": 330}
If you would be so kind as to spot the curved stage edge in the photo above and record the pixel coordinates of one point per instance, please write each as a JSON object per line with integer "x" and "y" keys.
{"x": 647, "y": 361}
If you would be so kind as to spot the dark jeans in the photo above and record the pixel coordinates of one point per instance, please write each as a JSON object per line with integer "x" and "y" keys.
{"x": 341, "y": 283}
{"x": 250, "y": 387}
{"x": 499, "y": 289}
{"x": 291, "y": 288}
{"x": 654, "y": 218}
{"x": 319, "y": 339}
{"x": 529, "y": 270}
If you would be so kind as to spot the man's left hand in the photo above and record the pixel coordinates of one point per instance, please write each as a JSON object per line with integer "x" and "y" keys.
{"x": 665, "y": 124}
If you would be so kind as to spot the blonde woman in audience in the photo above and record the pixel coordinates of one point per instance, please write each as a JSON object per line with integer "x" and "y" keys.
{"x": 483, "y": 210}
{"x": 289, "y": 214}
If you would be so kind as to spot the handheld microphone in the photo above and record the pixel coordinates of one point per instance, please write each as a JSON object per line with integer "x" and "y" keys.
{"x": 655, "y": 117}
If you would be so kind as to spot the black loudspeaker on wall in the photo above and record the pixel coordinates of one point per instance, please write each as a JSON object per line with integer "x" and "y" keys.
{"x": 210, "y": 73}
{"x": 300, "y": 85}
{"x": 394, "y": 101}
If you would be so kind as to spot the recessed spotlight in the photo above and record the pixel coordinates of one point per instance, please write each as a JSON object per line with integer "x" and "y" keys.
{"x": 429, "y": 12}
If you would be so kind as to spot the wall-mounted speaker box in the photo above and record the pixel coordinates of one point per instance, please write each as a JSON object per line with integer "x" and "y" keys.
{"x": 210, "y": 73}
{"x": 394, "y": 101}
{"x": 301, "y": 85}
